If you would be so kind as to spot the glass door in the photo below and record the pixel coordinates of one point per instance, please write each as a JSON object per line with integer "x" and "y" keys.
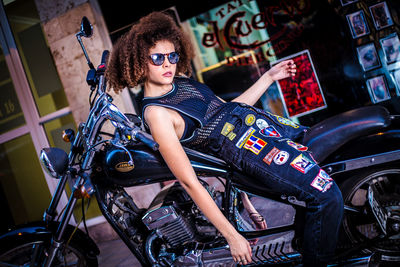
{"x": 33, "y": 113}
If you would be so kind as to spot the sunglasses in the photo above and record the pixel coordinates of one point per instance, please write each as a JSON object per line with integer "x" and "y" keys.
{"x": 158, "y": 58}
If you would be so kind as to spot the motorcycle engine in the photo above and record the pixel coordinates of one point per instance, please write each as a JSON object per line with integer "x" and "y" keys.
{"x": 176, "y": 218}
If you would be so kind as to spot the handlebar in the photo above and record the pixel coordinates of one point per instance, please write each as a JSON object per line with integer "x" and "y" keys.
{"x": 104, "y": 57}
{"x": 147, "y": 140}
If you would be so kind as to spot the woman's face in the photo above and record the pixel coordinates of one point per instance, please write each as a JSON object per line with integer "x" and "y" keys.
{"x": 164, "y": 74}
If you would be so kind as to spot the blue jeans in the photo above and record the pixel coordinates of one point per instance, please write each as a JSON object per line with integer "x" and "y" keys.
{"x": 260, "y": 144}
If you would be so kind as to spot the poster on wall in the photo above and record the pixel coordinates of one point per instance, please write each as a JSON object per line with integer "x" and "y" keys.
{"x": 368, "y": 57}
{"x": 396, "y": 78}
{"x": 378, "y": 89}
{"x": 391, "y": 48}
{"x": 347, "y": 2}
{"x": 357, "y": 23}
{"x": 301, "y": 94}
{"x": 381, "y": 15}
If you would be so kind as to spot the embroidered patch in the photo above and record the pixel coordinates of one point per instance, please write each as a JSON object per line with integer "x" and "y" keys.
{"x": 322, "y": 181}
{"x": 255, "y": 144}
{"x": 324, "y": 175}
{"x": 244, "y": 137}
{"x": 297, "y": 146}
{"x": 302, "y": 163}
{"x": 250, "y": 119}
{"x": 231, "y": 136}
{"x": 281, "y": 157}
{"x": 270, "y": 132}
{"x": 262, "y": 124}
{"x": 270, "y": 156}
{"x": 287, "y": 122}
{"x": 228, "y": 127}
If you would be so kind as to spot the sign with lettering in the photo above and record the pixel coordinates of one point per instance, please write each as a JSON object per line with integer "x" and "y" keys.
{"x": 245, "y": 25}
{"x": 237, "y": 42}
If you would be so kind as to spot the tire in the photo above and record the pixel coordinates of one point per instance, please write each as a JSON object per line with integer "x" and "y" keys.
{"x": 21, "y": 254}
{"x": 361, "y": 225}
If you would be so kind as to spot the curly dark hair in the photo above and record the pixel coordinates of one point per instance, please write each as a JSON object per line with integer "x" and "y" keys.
{"x": 127, "y": 66}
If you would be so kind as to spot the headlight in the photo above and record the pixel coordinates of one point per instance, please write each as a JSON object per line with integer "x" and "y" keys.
{"x": 54, "y": 160}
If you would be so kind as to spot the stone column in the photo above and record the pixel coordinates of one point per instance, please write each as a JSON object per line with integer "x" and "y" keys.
{"x": 61, "y": 21}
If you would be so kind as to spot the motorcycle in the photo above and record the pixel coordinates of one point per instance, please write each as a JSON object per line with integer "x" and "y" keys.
{"x": 360, "y": 149}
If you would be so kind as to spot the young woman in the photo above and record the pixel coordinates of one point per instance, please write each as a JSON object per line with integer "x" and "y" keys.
{"x": 183, "y": 112}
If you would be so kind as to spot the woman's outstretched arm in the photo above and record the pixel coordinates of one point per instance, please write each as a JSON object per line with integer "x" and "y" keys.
{"x": 280, "y": 71}
{"x": 163, "y": 132}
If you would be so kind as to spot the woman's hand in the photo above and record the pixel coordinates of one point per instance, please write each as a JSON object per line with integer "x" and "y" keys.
{"x": 240, "y": 249}
{"x": 282, "y": 70}
{"x": 258, "y": 220}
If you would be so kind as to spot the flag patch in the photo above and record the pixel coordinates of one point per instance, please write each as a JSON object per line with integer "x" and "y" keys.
{"x": 255, "y": 144}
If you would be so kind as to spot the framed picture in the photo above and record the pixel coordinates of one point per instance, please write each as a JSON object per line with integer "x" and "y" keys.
{"x": 357, "y": 23}
{"x": 301, "y": 94}
{"x": 347, "y": 2}
{"x": 378, "y": 89}
{"x": 391, "y": 48}
{"x": 396, "y": 79}
{"x": 368, "y": 57}
{"x": 381, "y": 15}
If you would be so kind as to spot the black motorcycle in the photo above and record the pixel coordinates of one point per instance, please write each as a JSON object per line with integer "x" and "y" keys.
{"x": 360, "y": 149}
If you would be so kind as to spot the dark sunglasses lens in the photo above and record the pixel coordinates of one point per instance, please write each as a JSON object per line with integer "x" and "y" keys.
{"x": 173, "y": 57}
{"x": 158, "y": 59}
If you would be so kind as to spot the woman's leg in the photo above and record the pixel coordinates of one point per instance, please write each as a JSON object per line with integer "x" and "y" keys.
{"x": 279, "y": 164}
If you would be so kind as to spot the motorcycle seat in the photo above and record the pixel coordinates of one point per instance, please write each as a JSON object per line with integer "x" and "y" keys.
{"x": 328, "y": 135}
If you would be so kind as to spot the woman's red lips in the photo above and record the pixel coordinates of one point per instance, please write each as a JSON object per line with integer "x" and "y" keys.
{"x": 167, "y": 74}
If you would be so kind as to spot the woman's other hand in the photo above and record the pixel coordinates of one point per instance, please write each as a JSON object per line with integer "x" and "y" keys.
{"x": 258, "y": 221}
{"x": 282, "y": 70}
{"x": 240, "y": 249}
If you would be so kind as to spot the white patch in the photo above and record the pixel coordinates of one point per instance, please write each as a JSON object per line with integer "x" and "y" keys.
{"x": 281, "y": 157}
{"x": 262, "y": 124}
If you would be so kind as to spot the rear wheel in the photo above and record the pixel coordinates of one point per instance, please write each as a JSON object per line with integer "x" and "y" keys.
{"x": 22, "y": 254}
{"x": 359, "y": 222}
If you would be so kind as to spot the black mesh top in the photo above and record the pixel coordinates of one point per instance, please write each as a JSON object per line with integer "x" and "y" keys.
{"x": 193, "y": 100}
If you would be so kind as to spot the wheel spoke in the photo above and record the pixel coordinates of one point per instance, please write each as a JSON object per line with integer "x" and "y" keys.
{"x": 359, "y": 222}
{"x": 352, "y": 209}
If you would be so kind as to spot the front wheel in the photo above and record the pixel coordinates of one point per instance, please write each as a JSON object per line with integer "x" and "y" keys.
{"x": 24, "y": 253}
{"x": 359, "y": 222}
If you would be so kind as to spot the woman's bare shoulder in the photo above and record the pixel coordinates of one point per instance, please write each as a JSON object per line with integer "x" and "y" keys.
{"x": 153, "y": 112}
{"x": 157, "y": 115}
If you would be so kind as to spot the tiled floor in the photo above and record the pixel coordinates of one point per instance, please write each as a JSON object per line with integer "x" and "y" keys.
{"x": 115, "y": 253}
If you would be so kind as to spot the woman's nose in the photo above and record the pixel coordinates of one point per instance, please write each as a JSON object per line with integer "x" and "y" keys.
{"x": 166, "y": 63}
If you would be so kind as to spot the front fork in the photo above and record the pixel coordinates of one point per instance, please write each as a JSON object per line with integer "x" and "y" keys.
{"x": 81, "y": 189}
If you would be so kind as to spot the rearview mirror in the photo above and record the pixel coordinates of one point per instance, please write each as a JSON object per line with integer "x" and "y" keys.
{"x": 86, "y": 28}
